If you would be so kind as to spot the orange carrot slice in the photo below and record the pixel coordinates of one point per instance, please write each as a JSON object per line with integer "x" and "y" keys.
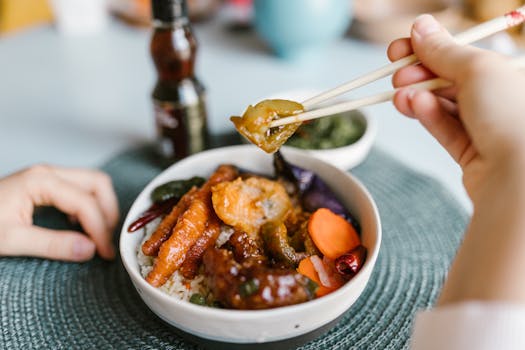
{"x": 307, "y": 269}
{"x": 332, "y": 234}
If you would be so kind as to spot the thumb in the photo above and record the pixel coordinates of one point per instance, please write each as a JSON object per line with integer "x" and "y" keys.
{"x": 45, "y": 243}
{"x": 438, "y": 51}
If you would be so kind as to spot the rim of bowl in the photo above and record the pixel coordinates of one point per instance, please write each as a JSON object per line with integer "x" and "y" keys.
{"x": 134, "y": 273}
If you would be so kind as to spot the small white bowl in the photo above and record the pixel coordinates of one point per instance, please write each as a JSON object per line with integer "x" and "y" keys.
{"x": 351, "y": 155}
{"x": 346, "y": 157}
{"x": 259, "y": 326}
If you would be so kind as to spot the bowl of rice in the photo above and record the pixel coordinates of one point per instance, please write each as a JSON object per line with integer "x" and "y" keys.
{"x": 171, "y": 301}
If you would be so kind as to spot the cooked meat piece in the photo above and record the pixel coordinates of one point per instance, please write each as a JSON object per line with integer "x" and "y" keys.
{"x": 246, "y": 249}
{"x": 255, "y": 286}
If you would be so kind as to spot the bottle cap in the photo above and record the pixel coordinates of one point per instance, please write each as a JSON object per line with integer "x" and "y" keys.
{"x": 169, "y": 10}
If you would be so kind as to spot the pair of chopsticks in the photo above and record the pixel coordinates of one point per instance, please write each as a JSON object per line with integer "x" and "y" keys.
{"x": 469, "y": 36}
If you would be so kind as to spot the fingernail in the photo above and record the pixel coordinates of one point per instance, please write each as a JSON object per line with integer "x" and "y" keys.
{"x": 425, "y": 25}
{"x": 83, "y": 248}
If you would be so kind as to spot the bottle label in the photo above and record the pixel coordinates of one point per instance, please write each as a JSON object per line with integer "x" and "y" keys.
{"x": 181, "y": 128}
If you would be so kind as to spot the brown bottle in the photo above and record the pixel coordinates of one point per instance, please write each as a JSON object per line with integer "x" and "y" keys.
{"x": 178, "y": 97}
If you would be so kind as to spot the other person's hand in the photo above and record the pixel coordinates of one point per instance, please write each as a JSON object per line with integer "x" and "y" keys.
{"x": 85, "y": 195}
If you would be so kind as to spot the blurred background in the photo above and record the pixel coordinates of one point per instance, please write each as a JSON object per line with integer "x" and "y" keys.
{"x": 374, "y": 20}
{"x": 76, "y": 76}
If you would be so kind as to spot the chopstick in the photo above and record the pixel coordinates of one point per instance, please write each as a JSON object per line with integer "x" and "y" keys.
{"x": 432, "y": 84}
{"x": 469, "y": 36}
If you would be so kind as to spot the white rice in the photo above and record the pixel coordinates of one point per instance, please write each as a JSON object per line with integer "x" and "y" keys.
{"x": 224, "y": 236}
{"x": 178, "y": 286}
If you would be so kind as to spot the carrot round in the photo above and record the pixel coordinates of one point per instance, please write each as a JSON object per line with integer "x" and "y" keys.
{"x": 332, "y": 234}
{"x": 307, "y": 269}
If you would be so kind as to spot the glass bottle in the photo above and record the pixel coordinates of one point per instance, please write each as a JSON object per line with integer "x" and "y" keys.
{"x": 178, "y": 97}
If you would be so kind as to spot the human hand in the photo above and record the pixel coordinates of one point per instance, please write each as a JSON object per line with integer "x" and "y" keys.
{"x": 479, "y": 121}
{"x": 86, "y": 195}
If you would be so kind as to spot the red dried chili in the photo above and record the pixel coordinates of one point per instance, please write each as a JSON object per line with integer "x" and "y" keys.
{"x": 156, "y": 210}
{"x": 350, "y": 263}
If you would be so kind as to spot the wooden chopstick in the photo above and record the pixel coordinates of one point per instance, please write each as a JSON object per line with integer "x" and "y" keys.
{"x": 432, "y": 84}
{"x": 469, "y": 36}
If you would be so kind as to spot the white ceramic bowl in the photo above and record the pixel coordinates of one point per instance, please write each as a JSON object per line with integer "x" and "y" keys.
{"x": 345, "y": 157}
{"x": 239, "y": 326}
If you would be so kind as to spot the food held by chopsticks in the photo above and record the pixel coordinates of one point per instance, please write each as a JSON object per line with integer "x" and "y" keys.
{"x": 256, "y": 120}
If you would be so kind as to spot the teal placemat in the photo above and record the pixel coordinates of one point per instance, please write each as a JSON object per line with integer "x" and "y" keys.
{"x": 49, "y": 304}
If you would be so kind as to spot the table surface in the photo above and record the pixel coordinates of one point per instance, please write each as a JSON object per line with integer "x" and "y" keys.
{"x": 77, "y": 101}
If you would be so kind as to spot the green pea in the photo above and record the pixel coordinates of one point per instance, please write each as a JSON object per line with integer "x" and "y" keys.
{"x": 249, "y": 287}
{"x": 198, "y": 299}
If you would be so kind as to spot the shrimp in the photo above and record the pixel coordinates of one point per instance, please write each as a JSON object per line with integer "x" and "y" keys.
{"x": 248, "y": 204}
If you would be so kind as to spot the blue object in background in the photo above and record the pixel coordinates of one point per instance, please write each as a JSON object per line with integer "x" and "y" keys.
{"x": 299, "y": 29}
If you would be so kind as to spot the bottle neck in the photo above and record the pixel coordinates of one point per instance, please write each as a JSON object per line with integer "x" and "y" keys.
{"x": 175, "y": 23}
{"x": 169, "y": 11}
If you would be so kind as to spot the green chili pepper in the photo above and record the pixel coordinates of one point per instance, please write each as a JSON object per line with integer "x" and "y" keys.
{"x": 175, "y": 189}
{"x": 198, "y": 299}
{"x": 275, "y": 240}
{"x": 249, "y": 287}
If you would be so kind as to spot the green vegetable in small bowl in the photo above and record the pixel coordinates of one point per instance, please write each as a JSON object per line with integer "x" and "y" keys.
{"x": 335, "y": 131}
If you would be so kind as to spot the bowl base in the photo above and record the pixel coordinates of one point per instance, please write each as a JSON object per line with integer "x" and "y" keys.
{"x": 285, "y": 344}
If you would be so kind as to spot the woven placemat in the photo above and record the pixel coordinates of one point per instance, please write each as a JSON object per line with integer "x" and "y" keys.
{"x": 49, "y": 304}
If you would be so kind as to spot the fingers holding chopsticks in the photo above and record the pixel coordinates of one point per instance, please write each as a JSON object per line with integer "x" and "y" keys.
{"x": 413, "y": 74}
{"x": 474, "y": 73}
{"x": 440, "y": 53}
{"x": 399, "y": 48}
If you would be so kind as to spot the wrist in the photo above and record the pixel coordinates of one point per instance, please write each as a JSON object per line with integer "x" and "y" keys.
{"x": 503, "y": 179}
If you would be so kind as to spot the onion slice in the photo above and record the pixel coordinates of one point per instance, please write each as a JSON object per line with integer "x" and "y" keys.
{"x": 322, "y": 272}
